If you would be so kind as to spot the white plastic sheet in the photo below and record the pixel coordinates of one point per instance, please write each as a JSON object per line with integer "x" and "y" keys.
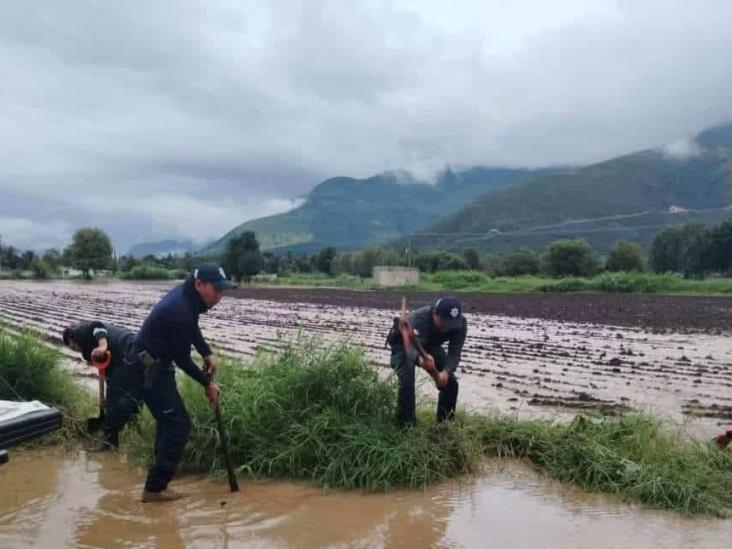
{"x": 10, "y": 409}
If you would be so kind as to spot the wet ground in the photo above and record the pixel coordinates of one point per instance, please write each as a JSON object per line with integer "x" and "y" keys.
{"x": 51, "y": 499}
{"x": 525, "y": 365}
{"x": 674, "y": 313}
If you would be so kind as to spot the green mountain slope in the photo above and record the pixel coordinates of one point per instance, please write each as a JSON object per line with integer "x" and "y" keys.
{"x": 349, "y": 213}
{"x": 632, "y": 197}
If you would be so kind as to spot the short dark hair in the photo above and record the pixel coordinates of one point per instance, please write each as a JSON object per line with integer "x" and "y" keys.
{"x": 68, "y": 334}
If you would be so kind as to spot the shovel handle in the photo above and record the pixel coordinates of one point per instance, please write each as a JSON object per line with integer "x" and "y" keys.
{"x": 102, "y": 366}
{"x": 233, "y": 482}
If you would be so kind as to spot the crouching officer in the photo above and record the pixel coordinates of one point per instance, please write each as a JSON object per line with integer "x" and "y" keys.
{"x": 163, "y": 342}
{"x": 124, "y": 391}
{"x": 432, "y": 326}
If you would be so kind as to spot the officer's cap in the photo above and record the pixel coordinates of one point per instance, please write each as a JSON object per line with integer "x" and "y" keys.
{"x": 213, "y": 273}
{"x": 450, "y": 310}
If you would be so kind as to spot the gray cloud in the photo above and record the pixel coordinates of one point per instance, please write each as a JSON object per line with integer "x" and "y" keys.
{"x": 182, "y": 119}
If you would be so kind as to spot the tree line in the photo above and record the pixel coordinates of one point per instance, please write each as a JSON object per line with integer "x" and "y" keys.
{"x": 693, "y": 250}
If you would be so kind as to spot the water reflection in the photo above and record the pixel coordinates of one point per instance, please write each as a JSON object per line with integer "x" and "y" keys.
{"x": 74, "y": 500}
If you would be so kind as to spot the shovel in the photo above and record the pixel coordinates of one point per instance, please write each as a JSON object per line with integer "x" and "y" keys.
{"x": 94, "y": 424}
{"x": 233, "y": 482}
{"x": 440, "y": 377}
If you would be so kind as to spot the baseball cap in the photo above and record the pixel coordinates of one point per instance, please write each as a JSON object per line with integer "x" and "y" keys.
{"x": 213, "y": 273}
{"x": 450, "y": 310}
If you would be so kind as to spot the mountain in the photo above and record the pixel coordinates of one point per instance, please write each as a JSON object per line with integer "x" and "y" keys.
{"x": 350, "y": 213}
{"x": 161, "y": 248}
{"x": 630, "y": 197}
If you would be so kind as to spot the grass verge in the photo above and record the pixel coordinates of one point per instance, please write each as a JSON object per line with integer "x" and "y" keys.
{"x": 323, "y": 415}
{"x": 30, "y": 370}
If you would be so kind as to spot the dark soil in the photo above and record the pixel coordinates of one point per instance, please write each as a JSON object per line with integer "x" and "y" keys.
{"x": 653, "y": 312}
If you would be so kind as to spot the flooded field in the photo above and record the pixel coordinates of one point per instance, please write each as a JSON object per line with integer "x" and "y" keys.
{"x": 529, "y": 366}
{"x": 54, "y": 499}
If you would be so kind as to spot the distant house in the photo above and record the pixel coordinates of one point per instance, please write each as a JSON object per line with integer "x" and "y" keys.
{"x": 70, "y": 272}
{"x": 395, "y": 276}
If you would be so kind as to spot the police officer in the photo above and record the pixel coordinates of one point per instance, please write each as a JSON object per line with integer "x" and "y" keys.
{"x": 123, "y": 400}
{"x": 163, "y": 342}
{"x": 433, "y": 326}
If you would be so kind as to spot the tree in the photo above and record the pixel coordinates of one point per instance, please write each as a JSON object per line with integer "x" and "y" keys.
{"x": 26, "y": 260}
{"x": 343, "y": 263}
{"x": 471, "y": 257}
{"x": 695, "y": 250}
{"x": 365, "y": 259}
{"x": 242, "y": 258}
{"x": 521, "y": 262}
{"x": 39, "y": 267}
{"x": 91, "y": 249}
{"x": 325, "y": 259}
{"x": 684, "y": 249}
{"x": 665, "y": 252}
{"x": 570, "y": 258}
{"x": 67, "y": 256}
{"x": 720, "y": 239}
{"x": 52, "y": 260}
{"x": 271, "y": 262}
{"x": 12, "y": 259}
{"x": 625, "y": 256}
{"x": 432, "y": 262}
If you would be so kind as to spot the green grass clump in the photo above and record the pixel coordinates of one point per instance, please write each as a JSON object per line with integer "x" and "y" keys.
{"x": 458, "y": 280}
{"x": 30, "y": 370}
{"x": 319, "y": 414}
{"x": 633, "y": 456}
{"x": 322, "y": 414}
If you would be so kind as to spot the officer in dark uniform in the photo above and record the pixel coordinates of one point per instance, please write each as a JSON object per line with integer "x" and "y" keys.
{"x": 433, "y": 326}
{"x": 123, "y": 398}
{"x": 163, "y": 342}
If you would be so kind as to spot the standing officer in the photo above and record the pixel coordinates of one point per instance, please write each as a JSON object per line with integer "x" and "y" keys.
{"x": 432, "y": 325}
{"x": 123, "y": 400}
{"x": 163, "y": 342}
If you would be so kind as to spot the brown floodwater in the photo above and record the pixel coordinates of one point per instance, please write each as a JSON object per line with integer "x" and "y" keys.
{"x": 51, "y": 498}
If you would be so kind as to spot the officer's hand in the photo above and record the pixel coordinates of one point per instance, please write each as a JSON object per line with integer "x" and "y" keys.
{"x": 211, "y": 364}
{"x": 427, "y": 362}
{"x": 212, "y": 392}
{"x": 99, "y": 355}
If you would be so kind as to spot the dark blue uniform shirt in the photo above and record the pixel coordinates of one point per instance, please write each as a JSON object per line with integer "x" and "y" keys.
{"x": 172, "y": 327}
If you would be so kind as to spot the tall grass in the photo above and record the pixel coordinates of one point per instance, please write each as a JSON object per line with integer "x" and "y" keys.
{"x": 30, "y": 370}
{"x": 322, "y": 414}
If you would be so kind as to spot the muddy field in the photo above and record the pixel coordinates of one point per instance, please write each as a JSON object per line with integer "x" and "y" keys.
{"x": 526, "y": 365}
{"x": 657, "y": 313}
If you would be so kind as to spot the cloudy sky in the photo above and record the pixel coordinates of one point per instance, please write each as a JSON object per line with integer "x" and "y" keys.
{"x": 181, "y": 119}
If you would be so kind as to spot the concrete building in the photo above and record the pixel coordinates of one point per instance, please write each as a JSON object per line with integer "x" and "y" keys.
{"x": 395, "y": 276}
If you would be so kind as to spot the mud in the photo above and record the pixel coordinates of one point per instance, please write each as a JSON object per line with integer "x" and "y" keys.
{"x": 54, "y": 500}
{"x": 533, "y": 367}
{"x": 664, "y": 313}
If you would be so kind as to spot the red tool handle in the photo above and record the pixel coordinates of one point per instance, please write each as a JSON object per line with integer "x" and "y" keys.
{"x": 102, "y": 366}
